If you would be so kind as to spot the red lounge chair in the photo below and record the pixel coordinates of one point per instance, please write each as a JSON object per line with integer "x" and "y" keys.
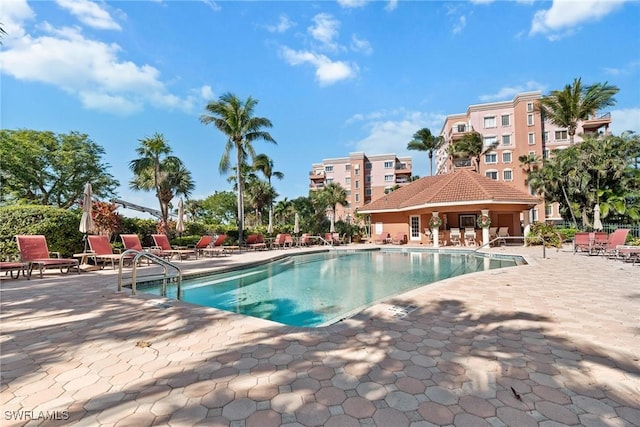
{"x": 132, "y": 241}
{"x": 583, "y": 241}
{"x": 218, "y": 247}
{"x": 617, "y": 238}
{"x": 255, "y": 242}
{"x": 34, "y": 251}
{"x": 400, "y": 238}
{"x": 10, "y": 266}
{"x": 202, "y": 244}
{"x": 382, "y": 239}
{"x": 102, "y": 249}
{"x": 162, "y": 241}
{"x": 278, "y": 242}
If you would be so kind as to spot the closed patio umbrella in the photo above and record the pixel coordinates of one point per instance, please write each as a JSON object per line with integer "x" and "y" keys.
{"x": 597, "y": 224}
{"x": 270, "y": 227}
{"x": 86, "y": 222}
{"x": 296, "y": 224}
{"x": 180, "y": 224}
{"x": 333, "y": 225}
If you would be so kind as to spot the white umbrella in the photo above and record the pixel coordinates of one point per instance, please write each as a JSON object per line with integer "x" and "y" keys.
{"x": 86, "y": 222}
{"x": 296, "y": 224}
{"x": 180, "y": 224}
{"x": 597, "y": 224}
{"x": 333, "y": 225}
{"x": 270, "y": 228}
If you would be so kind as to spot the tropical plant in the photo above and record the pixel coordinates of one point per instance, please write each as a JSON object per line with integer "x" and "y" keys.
{"x": 157, "y": 170}
{"x": 575, "y": 103}
{"x": 235, "y": 119}
{"x": 41, "y": 167}
{"x": 264, "y": 164}
{"x": 332, "y": 195}
{"x": 423, "y": 140}
{"x": 472, "y": 145}
{"x": 259, "y": 195}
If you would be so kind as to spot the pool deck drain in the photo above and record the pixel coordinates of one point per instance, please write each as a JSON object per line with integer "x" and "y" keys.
{"x": 555, "y": 342}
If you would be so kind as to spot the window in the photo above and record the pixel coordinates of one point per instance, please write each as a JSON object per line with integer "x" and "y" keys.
{"x": 357, "y": 184}
{"x": 532, "y": 138}
{"x": 328, "y": 168}
{"x": 388, "y": 165}
{"x": 548, "y": 210}
{"x": 492, "y": 174}
{"x": 348, "y": 193}
{"x": 347, "y": 181}
{"x": 490, "y": 122}
{"x": 506, "y": 157}
{"x": 357, "y": 171}
{"x": 529, "y": 106}
{"x": 489, "y": 140}
{"x": 367, "y": 192}
{"x": 561, "y": 135}
{"x": 491, "y": 158}
{"x": 329, "y": 180}
{"x": 461, "y": 128}
{"x": 507, "y": 175}
{"x": 367, "y": 166}
{"x": 505, "y": 120}
{"x": 357, "y": 197}
{"x": 545, "y": 154}
{"x": 534, "y": 215}
{"x": 347, "y": 167}
{"x": 388, "y": 178}
{"x": 545, "y": 136}
{"x": 506, "y": 139}
{"x": 529, "y": 119}
{"x": 467, "y": 220}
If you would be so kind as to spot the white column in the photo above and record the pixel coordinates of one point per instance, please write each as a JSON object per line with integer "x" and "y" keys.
{"x": 527, "y": 224}
{"x": 434, "y": 232}
{"x": 485, "y": 230}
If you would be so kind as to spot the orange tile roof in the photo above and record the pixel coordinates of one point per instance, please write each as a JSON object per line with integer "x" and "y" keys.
{"x": 456, "y": 187}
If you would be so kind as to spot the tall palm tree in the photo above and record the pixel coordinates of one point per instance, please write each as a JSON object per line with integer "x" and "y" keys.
{"x": 575, "y": 103}
{"x": 423, "y": 140}
{"x": 235, "y": 119}
{"x": 332, "y": 195}
{"x": 264, "y": 164}
{"x": 472, "y": 145}
{"x": 157, "y": 170}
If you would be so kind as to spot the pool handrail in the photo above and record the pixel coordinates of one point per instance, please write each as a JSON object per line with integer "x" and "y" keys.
{"x": 153, "y": 258}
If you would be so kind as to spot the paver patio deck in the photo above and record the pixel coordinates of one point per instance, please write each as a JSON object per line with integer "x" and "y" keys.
{"x": 555, "y": 342}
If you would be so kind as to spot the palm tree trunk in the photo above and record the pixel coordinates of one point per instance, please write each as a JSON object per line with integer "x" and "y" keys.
{"x": 240, "y": 199}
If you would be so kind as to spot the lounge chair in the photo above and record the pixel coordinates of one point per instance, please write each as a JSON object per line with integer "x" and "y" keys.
{"x": 203, "y": 243}
{"x": 255, "y": 242}
{"x": 583, "y": 242}
{"x": 34, "y": 252}
{"x": 617, "y": 238}
{"x": 383, "y": 238}
{"x": 305, "y": 240}
{"x": 628, "y": 253}
{"x": 493, "y": 234}
{"x": 217, "y": 247}
{"x": 469, "y": 236}
{"x": 502, "y": 233}
{"x": 162, "y": 241}
{"x": 454, "y": 236}
{"x": 400, "y": 238}
{"x": 288, "y": 241}
{"x": 278, "y": 242}
{"x": 9, "y": 267}
{"x": 132, "y": 242}
{"x": 102, "y": 250}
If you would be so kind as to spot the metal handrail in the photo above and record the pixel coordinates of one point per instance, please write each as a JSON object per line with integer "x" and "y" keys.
{"x": 544, "y": 250}
{"x": 154, "y": 258}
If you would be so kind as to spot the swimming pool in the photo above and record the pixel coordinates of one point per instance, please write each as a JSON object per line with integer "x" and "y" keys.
{"x": 322, "y": 288}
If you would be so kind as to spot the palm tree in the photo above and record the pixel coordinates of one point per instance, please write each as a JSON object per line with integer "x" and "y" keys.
{"x": 333, "y": 194}
{"x": 264, "y": 164}
{"x": 423, "y": 140}
{"x": 157, "y": 170}
{"x": 575, "y": 103}
{"x": 472, "y": 145}
{"x": 235, "y": 119}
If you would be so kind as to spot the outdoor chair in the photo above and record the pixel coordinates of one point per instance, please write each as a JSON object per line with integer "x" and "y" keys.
{"x": 502, "y": 233}
{"x": 9, "y": 267}
{"x": 617, "y": 238}
{"x": 132, "y": 242}
{"x": 382, "y": 238}
{"x": 34, "y": 252}
{"x": 583, "y": 242}
{"x": 217, "y": 247}
{"x": 162, "y": 241}
{"x": 469, "y": 236}
{"x": 278, "y": 242}
{"x": 493, "y": 234}
{"x": 202, "y": 244}
{"x": 400, "y": 238}
{"x": 455, "y": 236}
{"x": 255, "y": 242}
{"x": 288, "y": 241}
{"x": 102, "y": 250}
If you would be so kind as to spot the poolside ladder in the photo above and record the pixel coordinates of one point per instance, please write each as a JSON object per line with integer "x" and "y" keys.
{"x": 505, "y": 238}
{"x": 166, "y": 265}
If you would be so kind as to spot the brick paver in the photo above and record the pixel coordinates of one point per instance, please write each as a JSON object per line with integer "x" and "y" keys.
{"x": 550, "y": 343}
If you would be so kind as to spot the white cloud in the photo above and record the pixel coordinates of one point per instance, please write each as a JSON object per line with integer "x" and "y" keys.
{"x": 624, "y": 120}
{"x": 88, "y": 69}
{"x": 351, "y": 4}
{"x": 361, "y": 45}
{"x": 564, "y": 16}
{"x": 212, "y": 5}
{"x": 325, "y": 30}
{"x": 206, "y": 92}
{"x": 90, "y": 13}
{"x": 507, "y": 93}
{"x": 12, "y": 15}
{"x": 391, "y": 5}
{"x": 327, "y": 71}
{"x": 460, "y": 24}
{"x": 391, "y": 131}
{"x": 282, "y": 26}
{"x": 629, "y": 68}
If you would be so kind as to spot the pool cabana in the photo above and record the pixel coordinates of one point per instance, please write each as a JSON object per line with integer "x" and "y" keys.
{"x": 459, "y": 199}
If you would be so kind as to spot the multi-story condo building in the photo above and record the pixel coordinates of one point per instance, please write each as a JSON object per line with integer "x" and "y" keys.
{"x": 516, "y": 126}
{"x": 364, "y": 177}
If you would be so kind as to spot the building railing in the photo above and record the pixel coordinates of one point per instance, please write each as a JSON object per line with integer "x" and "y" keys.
{"x": 462, "y": 163}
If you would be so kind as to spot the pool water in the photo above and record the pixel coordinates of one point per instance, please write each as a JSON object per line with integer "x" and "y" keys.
{"x": 322, "y": 288}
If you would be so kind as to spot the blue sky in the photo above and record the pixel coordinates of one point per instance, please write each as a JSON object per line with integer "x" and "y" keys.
{"x": 333, "y": 77}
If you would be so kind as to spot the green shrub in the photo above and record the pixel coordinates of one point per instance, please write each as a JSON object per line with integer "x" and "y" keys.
{"x": 552, "y": 237}
{"x": 59, "y": 226}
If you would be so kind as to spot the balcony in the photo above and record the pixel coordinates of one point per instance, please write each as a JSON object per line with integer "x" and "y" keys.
{"x": 458, "y": 131}
{"x": 594, "y": 123}
{"x": 316, "y": 186}
{"x": 317, "y": 175}
{"x": 462, "y": 163}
